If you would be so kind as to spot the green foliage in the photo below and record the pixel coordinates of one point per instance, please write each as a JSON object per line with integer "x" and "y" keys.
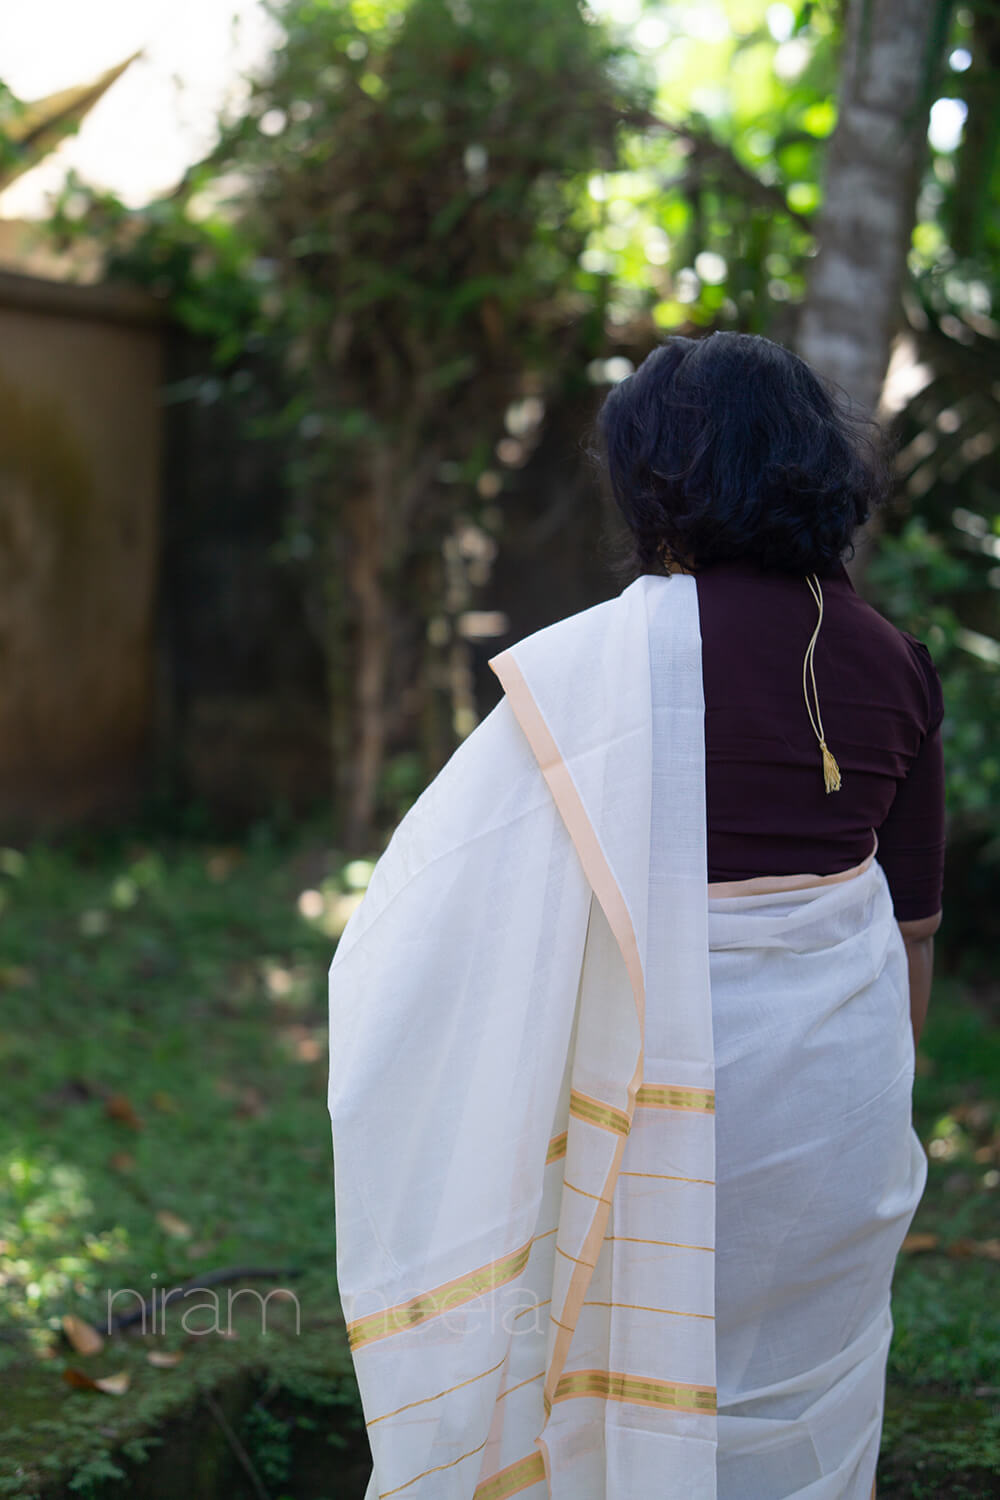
{"x": 710, "y": 223}
{"x": 412, "y": 188}
{"x": 11, "y": 153}
{"x": 919, "y": 580}
{"x": 939, "y": 1448}
{"x": 397, "y": 211}
{"x": 269, "y": 1441}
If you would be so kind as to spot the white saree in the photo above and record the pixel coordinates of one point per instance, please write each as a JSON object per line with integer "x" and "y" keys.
{"x": 544, "y": 1028}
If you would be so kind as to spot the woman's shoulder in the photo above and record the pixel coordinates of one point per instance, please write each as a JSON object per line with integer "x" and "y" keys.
{"x": 932, "y": 681}
{"x": 912, "y": 657}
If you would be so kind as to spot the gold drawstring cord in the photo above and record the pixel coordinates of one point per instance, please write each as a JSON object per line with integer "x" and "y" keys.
{"x": 831, "y": 771}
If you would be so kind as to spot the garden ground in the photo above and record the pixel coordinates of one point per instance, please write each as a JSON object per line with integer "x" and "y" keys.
{"x": 162, "y": 1038}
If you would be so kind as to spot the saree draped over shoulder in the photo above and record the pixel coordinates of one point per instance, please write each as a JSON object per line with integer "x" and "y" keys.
{"x": 544, "y": 1030}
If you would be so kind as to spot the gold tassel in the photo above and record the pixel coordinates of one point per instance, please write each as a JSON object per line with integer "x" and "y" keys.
{"x": 831, "y": 771}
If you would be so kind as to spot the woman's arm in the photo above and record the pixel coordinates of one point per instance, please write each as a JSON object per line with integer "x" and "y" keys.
{"x": 918, "y": 937}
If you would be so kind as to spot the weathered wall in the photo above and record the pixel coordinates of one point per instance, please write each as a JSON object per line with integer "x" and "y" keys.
{"x": 80, "y": 449}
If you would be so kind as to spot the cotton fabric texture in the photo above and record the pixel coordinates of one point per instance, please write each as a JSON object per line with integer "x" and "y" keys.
{"x": 621, "y": 1165}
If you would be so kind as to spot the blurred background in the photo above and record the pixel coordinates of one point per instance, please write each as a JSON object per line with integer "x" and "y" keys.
{"x": 306, "y": 309}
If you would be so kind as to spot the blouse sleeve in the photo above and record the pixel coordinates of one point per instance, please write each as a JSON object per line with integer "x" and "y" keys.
{"x": 912, "y": 838}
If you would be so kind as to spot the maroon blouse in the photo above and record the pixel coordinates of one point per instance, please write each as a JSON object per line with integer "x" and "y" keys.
{"x": 880, "y": 698}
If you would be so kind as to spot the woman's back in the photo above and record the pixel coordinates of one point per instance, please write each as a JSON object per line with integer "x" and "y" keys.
{"x": 880, "y": 697}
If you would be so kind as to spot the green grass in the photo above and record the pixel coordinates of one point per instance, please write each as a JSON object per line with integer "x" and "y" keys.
{"x": 941, "y": 1436}
{"x": 162, "y": 1043}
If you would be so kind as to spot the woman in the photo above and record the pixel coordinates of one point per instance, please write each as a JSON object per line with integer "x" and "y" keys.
{"x": 622, "y": 1035}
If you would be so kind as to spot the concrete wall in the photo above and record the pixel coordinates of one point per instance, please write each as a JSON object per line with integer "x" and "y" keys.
{"x": 80, "y": 461}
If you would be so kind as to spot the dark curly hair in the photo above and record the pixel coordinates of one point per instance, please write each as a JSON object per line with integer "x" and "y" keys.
{"x": 730, "y": 446}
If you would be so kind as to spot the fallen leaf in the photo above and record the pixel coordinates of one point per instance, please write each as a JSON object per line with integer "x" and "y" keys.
{"x": 173, "y": 1225}
{"x": 119, "y": 1107}
{"x": 165, "y": 1103}
{"x": 164, "y": 1359}
{"x": 914, "y": 1243}
{"x": 122, "y": 1161}
{"x": 112, "y": 1385}
{"x": 84, "y": 1338}
{"x": 963, "y": 1249}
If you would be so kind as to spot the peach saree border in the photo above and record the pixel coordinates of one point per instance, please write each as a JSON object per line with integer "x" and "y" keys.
{"x": 608, "y": 893}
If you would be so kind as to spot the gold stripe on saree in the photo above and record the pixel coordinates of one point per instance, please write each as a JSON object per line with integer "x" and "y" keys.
{"x": 382, "y": 1325}
{"x": 674, "y": 1312}
{"x": 425, "y": 1400}
{"x": 638, "y": 1390}
{"x": 672, "y": 1096}
{"x": 437, "y": 1469}
{"x": 596, "y": 1112}
{"x": 557, "y": 1148}
{"x": 513, "y": 1479}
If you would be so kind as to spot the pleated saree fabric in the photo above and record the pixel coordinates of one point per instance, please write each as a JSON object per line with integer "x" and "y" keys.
{"x": 819, "y": 1175}
{"x": 528, "y": 1012}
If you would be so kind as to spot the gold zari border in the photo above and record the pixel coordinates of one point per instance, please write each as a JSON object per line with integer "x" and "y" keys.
{"x": 596, "y": 1112}
{"x": 557, "y": 1148}
{"x": 672, "y": 1096}
{"x": 639, "y": 1390}
{"x": 513, "y": 1479}
{"x": 382, "y": 1325}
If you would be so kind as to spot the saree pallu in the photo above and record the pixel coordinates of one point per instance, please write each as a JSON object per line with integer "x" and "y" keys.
{"x": 528, "y": 1014}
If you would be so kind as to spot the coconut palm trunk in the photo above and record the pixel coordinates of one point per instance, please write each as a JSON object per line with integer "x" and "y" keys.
{"x": 852, "y": 308}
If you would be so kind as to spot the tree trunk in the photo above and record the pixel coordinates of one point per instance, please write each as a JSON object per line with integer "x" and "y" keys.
{"x": 852, "y": 307}
{"x": 368, "y": 597}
